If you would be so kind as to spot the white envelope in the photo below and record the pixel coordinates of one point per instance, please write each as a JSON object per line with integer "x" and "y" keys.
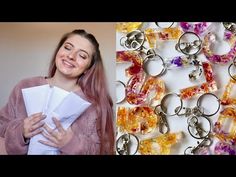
{"x": 55, "y": 96}
{"x": 53, "y": 102}
{"x": 52, "y": 99}
{"x": 35, "y": 98}
{"x": 70, "y": 109}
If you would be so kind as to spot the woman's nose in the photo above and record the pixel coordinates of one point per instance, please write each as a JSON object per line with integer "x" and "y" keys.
{"x": 71, "y": 55}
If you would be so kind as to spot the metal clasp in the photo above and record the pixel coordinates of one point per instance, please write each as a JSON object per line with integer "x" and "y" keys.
{"x": 124, "y": 143}
{"x": 133, "y": 40}
{"x": 124, "y": 150}
{"x": 193, "y": 124}
{"x": 196, "y": 111}
{"x": 163, "y": 124}
{"x": 206, "y": 142}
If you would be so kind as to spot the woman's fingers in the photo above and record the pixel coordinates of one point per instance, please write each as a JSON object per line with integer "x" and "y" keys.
{"x": 35, "y": 118}
{"x": 56, "y": 137}
{"x": 58, "y": 125}
{"x": 50, "y": 137}
{"x": 33, "y": 124}
{"x": 48, "y": 129}
{"x": 49, "y": 143}
{"x": 36, "y": 126}
{"x": 35, "y": 132}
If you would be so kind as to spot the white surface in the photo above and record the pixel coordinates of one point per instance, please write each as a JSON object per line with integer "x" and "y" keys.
{"x": 177, "y": 79}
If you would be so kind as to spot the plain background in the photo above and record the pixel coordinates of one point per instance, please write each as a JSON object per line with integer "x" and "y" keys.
{"x": 26, "y": 50}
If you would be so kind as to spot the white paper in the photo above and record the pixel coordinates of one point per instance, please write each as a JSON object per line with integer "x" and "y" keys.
{"x": 52, "y": 99}
{"x": 70, "y": 109}
{"x": 53, "y": 102}
{"x": 55, "y": 97}
{"x": 35, "y": 98}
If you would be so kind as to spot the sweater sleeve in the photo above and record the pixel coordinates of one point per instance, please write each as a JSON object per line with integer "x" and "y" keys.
{"x": 11, "y": 123}
{"x": 86, "y": 139}
{"x": 14, "y": 140}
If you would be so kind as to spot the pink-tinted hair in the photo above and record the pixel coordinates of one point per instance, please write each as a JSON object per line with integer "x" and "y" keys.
{"x": 94, "y": 86}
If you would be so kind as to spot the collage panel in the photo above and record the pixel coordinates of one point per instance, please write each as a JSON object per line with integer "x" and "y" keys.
{"x": 57, "y": 88}
{"x": 175, "y": 91}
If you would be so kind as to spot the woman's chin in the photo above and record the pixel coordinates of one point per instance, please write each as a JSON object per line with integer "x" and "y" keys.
{"x": 66, "y": 73}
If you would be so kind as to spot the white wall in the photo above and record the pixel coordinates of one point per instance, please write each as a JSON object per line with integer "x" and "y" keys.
{"x": 26, "y": 50}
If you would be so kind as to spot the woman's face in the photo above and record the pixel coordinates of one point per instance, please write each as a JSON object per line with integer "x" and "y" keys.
{"x": 74, "y": 56}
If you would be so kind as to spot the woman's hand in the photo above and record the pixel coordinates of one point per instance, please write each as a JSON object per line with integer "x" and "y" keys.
{"x": 57, "y": 137}
{"x": 32, "y": 125}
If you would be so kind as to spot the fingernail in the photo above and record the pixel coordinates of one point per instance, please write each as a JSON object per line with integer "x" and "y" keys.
{"x": 44, "y": 116}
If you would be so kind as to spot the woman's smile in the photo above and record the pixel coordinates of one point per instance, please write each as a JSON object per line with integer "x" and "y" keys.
{"x": 68, "y": 64}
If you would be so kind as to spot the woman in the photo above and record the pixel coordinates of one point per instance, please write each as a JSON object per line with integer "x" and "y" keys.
{"x": 76, "y": 66}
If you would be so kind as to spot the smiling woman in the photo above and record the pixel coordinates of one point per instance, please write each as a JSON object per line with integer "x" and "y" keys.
{"x": 62, "y": 124}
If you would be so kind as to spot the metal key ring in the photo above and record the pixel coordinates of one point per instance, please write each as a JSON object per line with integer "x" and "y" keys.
{"x": 133, "y": 40}
{"x": 230, "y": 26}
{"x": 164, "y": 109}
{"x": 157, "y": 23}
{"x": 118, "y": 82}
{"x": 197, "y": 128}
{"x": 229, "y": 69}
{"x": 153, "y": 57}
{"x": 125, "y": 138}
{"x": 189, "y": 45}
{"x": 199, "y": 103}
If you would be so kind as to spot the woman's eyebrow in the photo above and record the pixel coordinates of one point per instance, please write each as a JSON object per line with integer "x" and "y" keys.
{"x": 69, "y": 44}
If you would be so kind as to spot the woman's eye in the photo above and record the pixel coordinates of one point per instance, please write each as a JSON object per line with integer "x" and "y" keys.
{"x": 67, "y": 47}
{"x": 83, "y": 56}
